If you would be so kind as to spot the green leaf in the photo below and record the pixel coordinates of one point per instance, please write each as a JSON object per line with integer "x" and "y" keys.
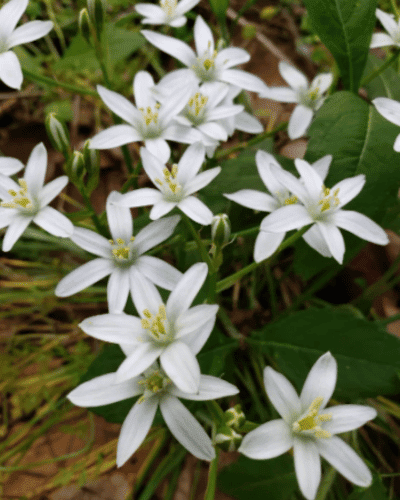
{"x": 368, "y": 357}
{"x": 219, "y": 7}
{"x": 259, "y": 479}
{"x": 375, "y": 492}
{"x": 386, "y": 84}
{"x": 345, "y": 27}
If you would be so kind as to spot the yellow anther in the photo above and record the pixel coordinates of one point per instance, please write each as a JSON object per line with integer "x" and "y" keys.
{"x": 12, "y": 192}
{"x": 197, "y": 103}
{"x": 314, "y": 94}
{"x": 292, "y": 200}
{"x": 21, "y": 198}
{"x": 159, "y": 181}
{"x": 169, "y": 6}
{"x": 120, "y": 241}
{"x": 169, "y": 179}
{"x": 145, "y": 324}
{"x": 155, "y": 323}
{"x": 328, "y": 200}
{"x": 149, "y": 115}
{"x": 111, "y": 242}
{"x": 132, "y": 238}
{"x": 174, "y": 170}
{"x": 121, "y": 253}
{"x": 156, "y": 382}
{"x": 147, "y": 314}
{"x": 310, "y": 423}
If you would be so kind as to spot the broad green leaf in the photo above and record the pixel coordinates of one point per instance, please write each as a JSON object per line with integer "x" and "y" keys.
{"x": 376, "y": 491}
{"x": 259, "y": 479}
{"x": 368, "y": 357}
{"x": 345, "y": 27}
{"x": 386, "y": 84}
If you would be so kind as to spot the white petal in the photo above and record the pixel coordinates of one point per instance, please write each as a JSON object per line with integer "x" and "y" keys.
{"x": 264, "y": 161}
{"x": 186, "y": 290}
{"x": 388, "y": 108}
{"x": 178, "y": 21}
{"x": 194, "y": 318}
{"x": 387, "y": 22}
{"x": 103, "y": 390}
{"x": 190, "y": 162}
{"x": 10, "y": 13}
{"x": 349, "y": 188}
{"x": 186, "y": 428}
{"x": 171, "y": 46}
{"x": 231, "y": 56}
{"x": 314, "y": 238}
{"x": 286, "y": 218}
{"x": 17, "y": 226}
{"x": 140, "y": 198}
{"x": 181, "y": 366}
{"x": 381, "y": 40}
{"x": 175, "y": 102}
{"x": 266, "y": 244}
{"x": 176, "y": 79}
{"x": 348, "y": 417}
{"x": 158, "y": 272}
{"x": 10, "y": 70}
{"x": 320, "y": 382}
{"x": 299, "y": 121}
{"x": 322, "y": 165}
{"x": 144, "y": 294}
{"x": 360, "y": 225}
{"x": 143, "y": 84}
{"x": 322, "y": 82}
{"x": 84, "y": 276}
{"x": 244, "y": 80}
{"x": 159, "y": 148}
{"x": 282, "y": 395}
{"x": 29, "y": 32}
{"x": 182, "y": 134}
{"x": 115, "y": 328}
{"x": 290, "y": 183}
{"x": 119, "y": 218}
{"x": 396, "y": 145}
{"x": 92, "y": 242}
{"x": 203, "y": 37}
{"x": 142, "y": 357}
{"x": 253, "y": 199}
{"x": 155, "y": 233}
{"x": 152, "y": 165}
{"x": 281, "y": 94}
{"x": 161, "y": 208}
{"x": 345, "y": 460}
{"x": 196, "y": 210}
{"x": 185, "y": 5}
{"x": 213, "y": 130}
{"x": 10, "y": 166}
{"x": 115, "y": 136}
{"x": 118, "y": 290}
{"x": 311, "y": 179}
{"x": 210, "y": 388}
{"x": 151, "y": 11}
{"x": 119, "y": 105}
{"x": 54, "y": 222}
{"x": 201, "y": 180}
{"x": 292, "y": 76}
{"x": 307, "y": 465}
{"x": 267, "y": 441}
{"x": 35, "y": 170}
{"x": 135, "y": 428}
{"x": 52, "y": 189}
{"x": 334, "y": 240}
{"x": 197, "y": 338}
{"x": 7, "y": 215}
{"x": 247, "y": 123}
{"x": 6, "y": 184}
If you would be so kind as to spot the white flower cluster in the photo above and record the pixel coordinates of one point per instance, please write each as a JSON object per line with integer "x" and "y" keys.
{"x": 194, "y": 106}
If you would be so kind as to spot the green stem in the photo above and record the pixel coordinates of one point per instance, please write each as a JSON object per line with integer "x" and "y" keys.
{"x": 231, "y": 280}
{"x": 244, "y": 145}
{"x": 326, "y": 484}
{"x": 212, "y": 478}
{"x": 30, "y": 75}
{"x": 390, "y": 319}
{"x": 395, "y": 9}
{"x": 95, "y": 218}
{"x": 202, "y": 249}
{"x": 230, "y": 328}
{"x": 381, "y": 68}
{"x": 271, "y": 290}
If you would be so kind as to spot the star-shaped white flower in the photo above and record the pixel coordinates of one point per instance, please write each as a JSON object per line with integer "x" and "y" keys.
{"x": 149, "y": 121}
{"x": 322, "y": 207}
{"x": 156, "y": 390}
{"x": 28, "y": 200}
{"x": 207, "y": 64}
{"x": 174, "y": 188}
{"x": 309, "y": 428}
{"x": 267, "y": 242}
{"x": 309, "y": 97}
{"x": 392, "y": 37}
{"x": 10, "y": 36}
{"x": 122, "y": 257}
{"x": 389, "y": 109}
{"x": 169, "y": 12}
{"x": 171, "y": 332}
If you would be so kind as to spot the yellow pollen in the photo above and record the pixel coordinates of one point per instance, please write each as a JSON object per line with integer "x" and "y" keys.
{"x": 197, "y": 103}
{"x": 292, "y": 200}
{"x": 156, "y": 382}
{"x": 120, "y": 241}
{"x": 314, "y": 94}
{"x": 122, "y": 252}
{"x": 310, "y": 422}
{"x": 21, "y": 198}
{"x": 155, "y": 323}
{"x": 169, "y": 6}
{"x": 149, "y": 115}
{"x": 170, "y": 179}
{"x": 210, "y": 62}
{"x": 328, "y": 200}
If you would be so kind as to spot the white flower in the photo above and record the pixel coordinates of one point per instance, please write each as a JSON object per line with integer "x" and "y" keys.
{"x": 122, "y": 257}
{"x": 322, "y": 207}
{"x": 151, "y": 121}
{"x": 392, "y": 37}
{"x": 27, "y": 201}
{"x": 10, "y": 36}
{"x": 10, "y": 166}
{"x": 207, "y": 64}
{"x": 171, "y": 332}
{"x": 156, "y": 390}
{"x": 170, "y": 12}
{"x": 309, "y": 97}
{"x": 389, "y": 109}
{"x": 175, "y": 187}
{"x": 267, "y": 242}
{"x": 309, "y": 428}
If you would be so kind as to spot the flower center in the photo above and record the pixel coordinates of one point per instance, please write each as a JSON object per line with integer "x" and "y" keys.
{"x": 157, "y": 325}
{"x": 169, "y": 7}
{"x": 310, "y": 422}
{"x": 21, "y": 198}
{"x": 150, "y": 119}
{"x": 122, "y": 251}
{"x": 170, "y": 186}
{"x": 328, "y": 200}
{"x": 196, "y": 107}
{"x": 205, "y": 65}
{"x": 285, "y": 198}
{"x": 154, "y": 383}
{"x": 310, "y": 97}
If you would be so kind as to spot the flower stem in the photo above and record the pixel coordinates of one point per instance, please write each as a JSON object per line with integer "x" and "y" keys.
{"x": 231, "y": 280}
{"x": 35, "y": 77}
{"x": 326, "y": 484}
{"x": 212, "y": 478}
{"x": 95, "y": 218}
{"x": 202, "y": 249}
{"x": 381, "y": 68}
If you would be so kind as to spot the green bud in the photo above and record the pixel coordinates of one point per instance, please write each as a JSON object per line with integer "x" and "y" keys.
{"x": 234, "y": 417}
{"x": 77, "y": 167}
{"x": 85, "y": 26}
{"x": 92, "y": 165}
{"x": 58, "y": 134}
{"x": 220, "y": 230}
{"x": 269, "y": 12}
{"x": 97, "y": 10}
{"x": 228, "y": 439}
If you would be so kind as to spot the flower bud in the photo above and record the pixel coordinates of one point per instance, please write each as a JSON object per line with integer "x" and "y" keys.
{"x": 77, "y": 166}
{"x": 97, "y": 10}
{"x": 85, "y": 26}
{"x": 228, "y": 439}
{"x": 234, "y": 417}
{"x": 92, "y": 165}
{"x": 58, "y": 134}
{"x": 220, "y": 230}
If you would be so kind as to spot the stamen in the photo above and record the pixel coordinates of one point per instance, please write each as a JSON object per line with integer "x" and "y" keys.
{"x": 122, "y": 252}
{"x": 197, "y": 103}
{"x": 309, "y": 423}
{"x": 156, "y": 382}
{"x": 170, "y": 180}
{"x": 292, "y": 200}
{"x": 155, "y": 323}
{"x": 328, "y": 200}
{"x": 149, "y": 115}
{"x": 21, "y": 198}
{"x": 169, "y": 6}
